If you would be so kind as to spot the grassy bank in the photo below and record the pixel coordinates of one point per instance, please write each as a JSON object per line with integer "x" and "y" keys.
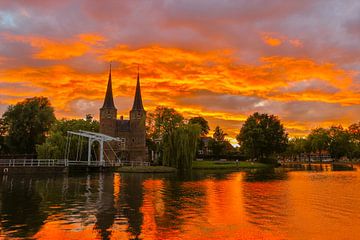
{"x": 227, "y": 165}
{"x": 146, "y": 169}
{"x": 205, "y": 165}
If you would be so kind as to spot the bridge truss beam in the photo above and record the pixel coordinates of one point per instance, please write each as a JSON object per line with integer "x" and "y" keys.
{"x": 92, "y": 137}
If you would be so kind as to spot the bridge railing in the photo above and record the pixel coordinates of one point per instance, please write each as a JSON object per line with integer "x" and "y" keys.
{"x": 65, "y": 162}
{"x": 135, "y": 163}
{"x": 93, "y": 163}
{"x": 32, "y": 162}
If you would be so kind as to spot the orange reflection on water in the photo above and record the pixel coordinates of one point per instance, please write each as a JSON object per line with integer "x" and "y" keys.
{"x": 117, "y": 185}
{"x": 152, "y": 208}
{"x": 60, "y": 229}
{"x": 252, "y": 205}
{"x": 207, "y": 209}
{"x": 325, "y": 205}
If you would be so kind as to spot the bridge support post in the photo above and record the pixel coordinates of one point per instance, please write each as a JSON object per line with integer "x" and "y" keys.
{"x": 89, "y": 152}
{"x": 101, "y": 153}
{"x": 101, "y": 138}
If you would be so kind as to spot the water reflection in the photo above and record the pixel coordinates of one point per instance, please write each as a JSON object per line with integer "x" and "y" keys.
{"x": 267, "y": 174}
{"x": 106, "y": 211}
{"x": 131, "y": 196}
{"x": 21, "y": 213}
{"x": 267, "y": 204}
{"x": 266, "y": 198}
{"x": 319, "y": 167}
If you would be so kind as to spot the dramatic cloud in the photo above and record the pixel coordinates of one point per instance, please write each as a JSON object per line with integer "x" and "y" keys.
{"x": 220, "y": 59}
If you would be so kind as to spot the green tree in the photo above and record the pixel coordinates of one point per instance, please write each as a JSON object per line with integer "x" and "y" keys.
{"x": 27, "y": 123}
{"x": 319, "y": 140}
{"x": 219, "y": 134}
{"x": 218, "y": 144}
{"x": 354, "y": 132}
{"x": 55, "y": 144}
{"x": 3, "y": 147}
{"x": 168, "y": 135}
{"x": 262, "y": 136}
{"x": 217, "y": 148}
{"x": 162, "y": 121}
{"x": 204, "y": 125}
{"x": 340, "y": 142}
{"x": 296, "y": 146}
{"x": 179, "y": 146}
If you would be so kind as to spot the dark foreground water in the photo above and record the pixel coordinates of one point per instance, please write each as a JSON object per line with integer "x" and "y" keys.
{"x": 257, "y": 205}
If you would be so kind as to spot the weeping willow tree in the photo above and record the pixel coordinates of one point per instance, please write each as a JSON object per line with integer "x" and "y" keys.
{"x": 179, "y": 146}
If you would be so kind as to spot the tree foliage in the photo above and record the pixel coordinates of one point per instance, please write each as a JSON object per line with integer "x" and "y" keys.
{"x": 169, "y": 135}
{"x": 261, "y": 136}
{"x": 55, "y": 144}
{"x": 3, "y": 147}
{"x": 336, "y": 141}
{"x": 296, "y": 146}
{"x": 204, "y": 125}
{"x": 217, "y": 147}
{"x": 219, "y": 134}
{"x": 27, "y": 123}
{"x": 218, "y": 144}
{"x": 319, "y": 140}
{"x": 340, "y": 142}
{"x": 354, "y": 131}
{"x": 162, "y": 121}
{"x": 179, "y": 146}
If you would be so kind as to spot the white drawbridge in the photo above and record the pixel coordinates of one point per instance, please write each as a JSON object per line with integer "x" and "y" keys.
{"x": 92, "y": 137}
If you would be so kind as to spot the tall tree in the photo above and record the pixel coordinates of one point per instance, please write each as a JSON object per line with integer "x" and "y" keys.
{"x": 27, "y": 123}
{"x": 296, "y": 146}
{"x": 354, "y": 132}
{"x": 179, "y": 146}
{"x": 162, "y": 121}
{"x": 54, "y": 146}
{"x": 218, "y": 144}
{"x": 319, "y": 140}
{"x": 219, "y": 134}
{"x": 261, "y": 136}
{"x": 339, "y": 142}
{"x": 3, "y": 147}
{"x": 204, "y": 125}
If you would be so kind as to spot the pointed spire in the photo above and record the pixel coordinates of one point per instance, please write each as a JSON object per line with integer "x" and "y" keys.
{"x": 109, "y": 100}
{"x": 138, "y": 105}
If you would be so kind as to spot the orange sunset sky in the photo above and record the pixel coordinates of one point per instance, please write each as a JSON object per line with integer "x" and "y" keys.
{"x": 222, "y": 60}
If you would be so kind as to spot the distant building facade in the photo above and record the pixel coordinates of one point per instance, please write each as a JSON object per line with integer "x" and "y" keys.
{"x": 132, "y": 132}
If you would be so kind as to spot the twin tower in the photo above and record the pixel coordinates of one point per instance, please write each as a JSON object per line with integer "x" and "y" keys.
{"x": 132, "y": 132}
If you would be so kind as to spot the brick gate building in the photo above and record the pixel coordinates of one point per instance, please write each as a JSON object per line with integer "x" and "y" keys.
{"x": 132, "y": 132}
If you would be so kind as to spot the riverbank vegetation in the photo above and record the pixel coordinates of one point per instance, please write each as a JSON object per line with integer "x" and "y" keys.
{"x": 57, "y": 138}
{"x": 146, "y": 169}
{"x": 262, "y": 137}
{"x": 235, "y": 165}
{"x": 25, "y": 124}
{"x": 173, "y": 138}
{"x": 335, "y": 142}
{"x": 30, "y": 128}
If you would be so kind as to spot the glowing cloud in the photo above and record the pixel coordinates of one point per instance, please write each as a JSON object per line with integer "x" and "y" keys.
{"x": 58, "y": 50}
{"x": 222, "y": 61}
{"x": 272, "y": 41}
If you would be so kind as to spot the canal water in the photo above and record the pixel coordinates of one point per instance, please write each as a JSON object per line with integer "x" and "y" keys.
{"x": 272, "y": 204}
